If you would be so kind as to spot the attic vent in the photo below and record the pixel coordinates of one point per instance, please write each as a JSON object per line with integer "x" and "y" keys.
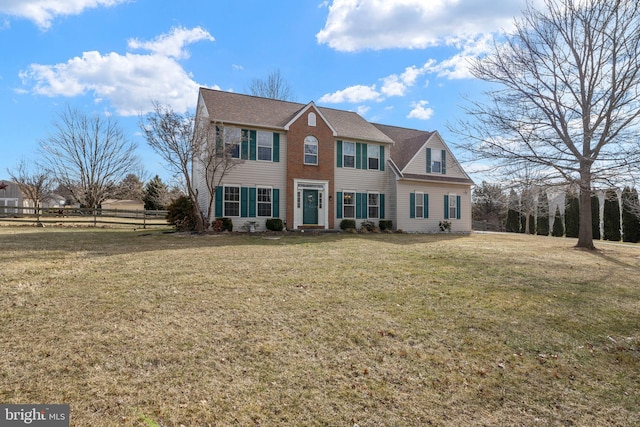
{"x": 311, "y": 119}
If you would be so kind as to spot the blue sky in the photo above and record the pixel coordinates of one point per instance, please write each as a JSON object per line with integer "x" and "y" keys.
{"x": 397, "y": 62}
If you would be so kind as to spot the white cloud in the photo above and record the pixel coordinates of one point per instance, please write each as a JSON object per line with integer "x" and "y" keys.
{"x": 363, "y": 109}
{"x": 420, "y": 111}
{"x": 237, "y": 67}
{"x": 130, "y": 82}
{"x": 42, "y": 12}
{"x": 352, "y": 94}
{"x": 354, "y": 25}
{"x": 397, "y": 85}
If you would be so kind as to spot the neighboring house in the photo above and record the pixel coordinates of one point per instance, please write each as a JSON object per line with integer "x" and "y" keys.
{"x": 11, "y": 198}
{"x": 122, "y": 207}
{"x": 314, "y": 166}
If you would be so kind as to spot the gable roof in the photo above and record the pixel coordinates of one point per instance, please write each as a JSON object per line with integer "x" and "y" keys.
{"x": 407, "y": 142}
{"x": 251, "y": 110}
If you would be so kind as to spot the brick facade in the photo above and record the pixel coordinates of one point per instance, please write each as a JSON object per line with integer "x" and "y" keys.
{"x": 296, "y": 169}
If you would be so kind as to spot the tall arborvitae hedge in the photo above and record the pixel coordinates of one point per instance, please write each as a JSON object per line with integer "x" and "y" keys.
{"x": 595, "y": 216}
{"x": 513, "y": 221}
{"x": 558, "y": 227}
{"x": 572, "y": 215}
{"x": 532, "y": 224}
{"x": 542, "y": 226}
{"x": 611, "y": 216}
{"x": 523, "y": 223}
{"x": 630, "y": 212}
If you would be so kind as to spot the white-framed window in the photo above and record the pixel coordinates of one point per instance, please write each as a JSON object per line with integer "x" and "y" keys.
{"x": 232, "y": 141}
{"x": 373, "y": 205}
{"x": 436, "y": 161}
{"x": 349, "y": 204}
{"x": 349, "y": 154}
{"x": 373, "y": 153}
{"x": 264, "y": 201}
{"x": 419, "y": 205}
{"x": 310, "y": 150}
{"x": 453, "y": 206}
{"x": 231, "y": 201}
{"x": 265, "y": 145}
{"x": 311, "y": 119}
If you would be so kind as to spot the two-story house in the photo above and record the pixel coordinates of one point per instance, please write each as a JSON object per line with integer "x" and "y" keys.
{"x": 314, "y": 166}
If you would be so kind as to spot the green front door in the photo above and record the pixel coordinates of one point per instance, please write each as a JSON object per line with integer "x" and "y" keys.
{"x": 310, "y": 207}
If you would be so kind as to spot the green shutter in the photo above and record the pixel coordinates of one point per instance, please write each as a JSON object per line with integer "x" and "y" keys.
{"x": 412, "y": 205}
{"x": 218, "y": 210}
{"x": 443, "y": 168}
{"x": 252, "y": 145}
{"x": 428, "y": 160}
{"x": 252, "y": 202}
{"x": 382, "y": 158}
{"x": 244, "y": 202}
{"x": 425, "y": 208}
{"x": 276, "y": 147}
{"x": 446, "y": 206}
{"x": 381, "y": 196}
{"x": 339, "y": 154}
{"x": 244, "y": 146}
{"x": 458, "y": 207}
{"x": 361, "y": 205}
{"x": 358, "y": 155}
{"x": 339, "y": 203}
{"x": 275, "y": 208}
{"x": 365, "y": 156}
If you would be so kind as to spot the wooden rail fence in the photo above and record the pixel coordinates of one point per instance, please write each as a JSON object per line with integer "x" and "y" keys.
{"x": 84, "y": 216}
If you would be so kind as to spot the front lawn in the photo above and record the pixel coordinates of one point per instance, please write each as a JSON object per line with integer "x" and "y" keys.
{"x": 145, "y": 328}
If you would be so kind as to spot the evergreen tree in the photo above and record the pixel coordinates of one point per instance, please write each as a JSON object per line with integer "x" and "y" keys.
{"x": 513, "y": 221}
{"x": 156, "y": 195}
{"x": 595, "y": 216}
{"x": 532, "y": 224}
{"x": 523, "y": 222}
{"x": 572, "y": 215}
{"x": 558, "y": 227}
{"x": 611, "y": 216}
{"x": 543, "y": 214}
{"x": 630, "y": 212}
{"x": 130, "y": 188}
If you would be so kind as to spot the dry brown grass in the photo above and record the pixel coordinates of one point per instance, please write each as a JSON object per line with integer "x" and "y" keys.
{"x": 139, "y": 329}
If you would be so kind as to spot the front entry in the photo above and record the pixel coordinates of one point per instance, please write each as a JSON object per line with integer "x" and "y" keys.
{"x": 310, "y": 210}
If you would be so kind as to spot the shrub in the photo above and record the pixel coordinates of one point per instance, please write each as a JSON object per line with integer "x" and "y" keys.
{"x": 181, "y": 214}
{"x": 369, "y": 226}
{"x": 572, "y": 215}
{"x": 445, "y": 226}
{"x": 513, "y": 221}
{"x": 385, "y": 225}
{"x": 274, "y": 224}
{"x": 347, "y": 224}
{"x": 225, "y": 223}
{"x": 595, "y": 216}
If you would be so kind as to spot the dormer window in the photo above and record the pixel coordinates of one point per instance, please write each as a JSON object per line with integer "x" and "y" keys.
{"x": 436, "y": 161}
{"x": 311, "y": 119}
{"x": 310, "y": 150}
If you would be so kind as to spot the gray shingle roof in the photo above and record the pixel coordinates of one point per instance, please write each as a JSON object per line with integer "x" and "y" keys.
{"x": 407, "y": 142}
{"x": 236, "y": 108}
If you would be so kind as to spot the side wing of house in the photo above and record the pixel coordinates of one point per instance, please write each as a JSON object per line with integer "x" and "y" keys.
{"x": 433, "y": 188}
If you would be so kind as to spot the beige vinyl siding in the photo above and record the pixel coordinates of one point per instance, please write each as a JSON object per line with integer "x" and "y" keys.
{"x": 254, "y": 173}
{"x": 418, "y": 165}
{"x": 364, "y": 181}
{"x": 436, "y": 194}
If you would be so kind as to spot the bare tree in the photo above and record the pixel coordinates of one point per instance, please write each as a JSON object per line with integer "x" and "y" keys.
{"x": 88, "y": 155}
{"x": 35, "y": 184}
{"x": 187, "y": 146}
{"x": 565, "y": 95}
{"x": 217, "y": 157}
{"x": 274, "y": 86}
